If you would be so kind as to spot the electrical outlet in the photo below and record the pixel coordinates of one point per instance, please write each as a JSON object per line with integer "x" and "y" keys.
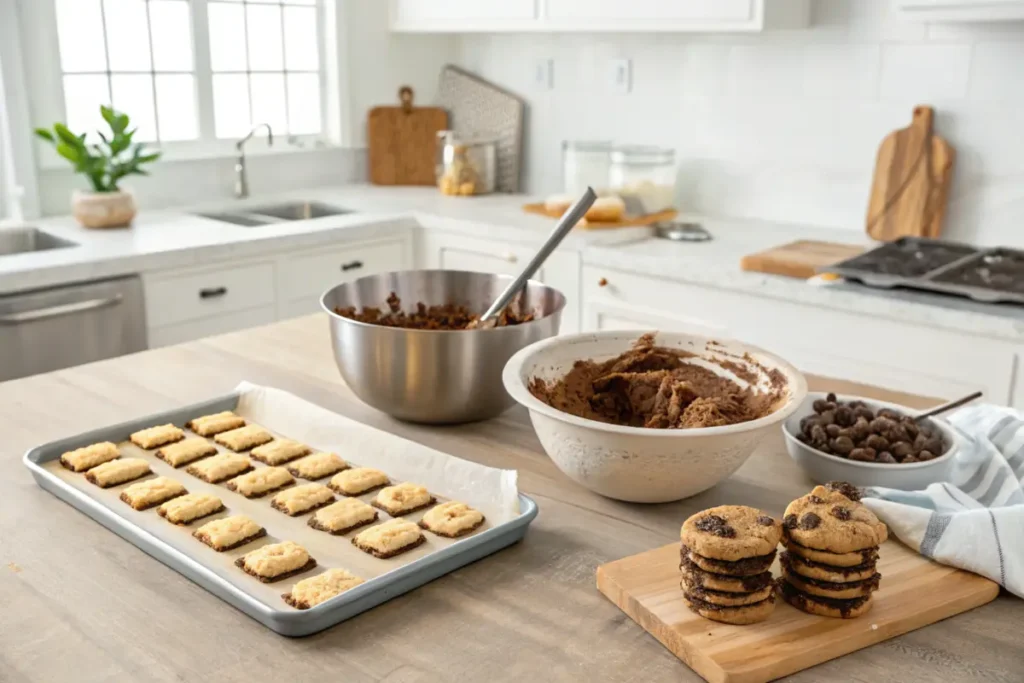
{"x": 620, "y": 76}
{"x": 544, "y": 74}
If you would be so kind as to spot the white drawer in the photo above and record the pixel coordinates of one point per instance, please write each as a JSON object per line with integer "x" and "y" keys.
{"x": 194, "y": 294}
{"x": 310, "y": 274}
{"x": 208, "y": 327}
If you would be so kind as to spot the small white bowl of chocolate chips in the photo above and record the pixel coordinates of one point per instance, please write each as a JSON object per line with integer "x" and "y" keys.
{"x": 868, "y": 443}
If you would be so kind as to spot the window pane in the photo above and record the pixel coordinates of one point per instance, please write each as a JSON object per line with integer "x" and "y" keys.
{"x": 303, "y": 104}
{"x": 176, "y": 107}
{"x": 263, "y": 23}
{"x": 299, "y": 2}
{"x": 268, "y": 102}
{"x": 127, "y": 35}
{"x": 227, "y": 37}
{"x": 83, "y": 96}
{"x": 231, "y": 105}
{"x": 132, "y": 94}
{"x": 301, "y": 46}
{"x": 80, "y": 34}
{"x": 172, "y": 35}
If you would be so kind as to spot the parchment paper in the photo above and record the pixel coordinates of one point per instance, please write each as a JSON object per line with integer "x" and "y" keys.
{"x": 492, "y": 491}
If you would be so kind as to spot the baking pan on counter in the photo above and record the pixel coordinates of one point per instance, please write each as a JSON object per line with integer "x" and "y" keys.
{"x": 167, "y": 542}
{"x": 986, "y": 275}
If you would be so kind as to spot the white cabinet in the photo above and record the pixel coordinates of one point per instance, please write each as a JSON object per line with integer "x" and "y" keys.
{"x": 821, "y": 341}
{"x": 946, "y": 11}
{"x": 619, "y": 16}
{"x": 451, "y": 251}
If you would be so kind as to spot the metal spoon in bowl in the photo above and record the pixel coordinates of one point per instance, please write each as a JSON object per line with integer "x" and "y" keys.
{"x": 566, "y": 223}
{"x": 949, "y": 405}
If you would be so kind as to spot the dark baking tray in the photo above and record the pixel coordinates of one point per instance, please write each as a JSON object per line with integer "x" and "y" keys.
{"x": 987, "y": 275}
{"x": 286, "y": 622}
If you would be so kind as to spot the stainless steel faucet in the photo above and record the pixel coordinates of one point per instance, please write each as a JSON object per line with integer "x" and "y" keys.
{"x": 241, "y": 177}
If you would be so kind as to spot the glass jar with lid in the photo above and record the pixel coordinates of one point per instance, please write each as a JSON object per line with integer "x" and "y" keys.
{"x": 644, "y": 177}
{"x": 585, "y": 163}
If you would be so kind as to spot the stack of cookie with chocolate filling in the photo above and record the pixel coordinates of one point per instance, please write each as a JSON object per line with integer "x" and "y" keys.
{"x": 726, "y": 558}
{"x": 832, "y": 549}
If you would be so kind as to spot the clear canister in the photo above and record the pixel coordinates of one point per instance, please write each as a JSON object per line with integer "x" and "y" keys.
{"x": 466, "y": 165}
{"x": 646, "y": 175}
{"x": 585, "y": 163}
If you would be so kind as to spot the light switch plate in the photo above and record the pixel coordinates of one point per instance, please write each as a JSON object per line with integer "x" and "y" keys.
{"x": 544, "y": 74}
{"x": 620, "y": 76}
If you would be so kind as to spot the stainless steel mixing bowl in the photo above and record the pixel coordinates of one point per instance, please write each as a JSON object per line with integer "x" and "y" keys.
{"x": 434, "y": 376}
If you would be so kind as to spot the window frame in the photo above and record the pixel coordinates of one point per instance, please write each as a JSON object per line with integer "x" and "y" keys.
{"x": 46, "y": 96}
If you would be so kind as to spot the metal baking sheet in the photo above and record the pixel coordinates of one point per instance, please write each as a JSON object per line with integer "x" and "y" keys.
{"x": 937, "y": 266}
{"x": 214, "y": 571}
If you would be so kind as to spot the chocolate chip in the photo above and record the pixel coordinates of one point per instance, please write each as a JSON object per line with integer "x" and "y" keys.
{"x": 833, "y": 430}
{"x": 840, "y": 513}
{"x": 844, "y": 488}
{"x": 831, "y": 397}
{"x": 816, "y": 500}
{"x": 820, "y": 406}
{"x": 713, "y": 524}
{"x": 789, "y": 521}
{"x": 926, "y": 455}
{"x": 810, "y": 521}
{"x": 765, "y": 520}
{"x": 843, "y": 445}
{"x": 845, "y": 416}
{"x": 885, "y": 456}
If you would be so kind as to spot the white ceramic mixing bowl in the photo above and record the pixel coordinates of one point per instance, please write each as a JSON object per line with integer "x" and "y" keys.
{"x": 637, "y": 464}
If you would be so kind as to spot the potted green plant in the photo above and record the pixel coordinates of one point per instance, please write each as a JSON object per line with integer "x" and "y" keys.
{"x": 106, "y": 205}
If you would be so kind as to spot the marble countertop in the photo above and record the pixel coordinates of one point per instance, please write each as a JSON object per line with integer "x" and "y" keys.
{"x": 170, "y": 239}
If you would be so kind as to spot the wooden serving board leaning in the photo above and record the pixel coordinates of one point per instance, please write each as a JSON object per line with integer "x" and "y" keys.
{"x": 912, "y": 178}
{"x": 402, "y": 142}
{"x": 914, "y": 592}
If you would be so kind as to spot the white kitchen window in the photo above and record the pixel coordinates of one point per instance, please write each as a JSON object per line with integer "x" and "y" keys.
{"x": 192, "y": 74}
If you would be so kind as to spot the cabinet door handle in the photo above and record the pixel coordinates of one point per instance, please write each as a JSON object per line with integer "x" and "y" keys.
{"x": 603, "y": 282}
{"x": 212, "y": 292}
{"x": 352, "y": 265}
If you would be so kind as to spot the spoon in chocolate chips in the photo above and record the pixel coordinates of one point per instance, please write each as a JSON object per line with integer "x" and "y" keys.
{"x": 949, "y": 405}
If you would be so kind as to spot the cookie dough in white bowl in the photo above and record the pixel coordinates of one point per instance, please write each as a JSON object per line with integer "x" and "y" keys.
{"x": 619, "y": 457}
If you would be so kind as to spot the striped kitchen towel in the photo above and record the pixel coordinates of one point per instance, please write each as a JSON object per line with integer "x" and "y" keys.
{"x": 976, "y": 520}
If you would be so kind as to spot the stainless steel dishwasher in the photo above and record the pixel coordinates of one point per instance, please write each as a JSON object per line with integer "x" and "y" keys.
{"x": 56, "y": 328}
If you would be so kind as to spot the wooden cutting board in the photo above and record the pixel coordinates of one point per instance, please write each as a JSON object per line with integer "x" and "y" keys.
{"x": 402, "y": 142}
{"x": 912, "y": 177}
{"x": 914, "y": 592}
{"x": 799, "y": 259}
{"x": 648, "y": 219}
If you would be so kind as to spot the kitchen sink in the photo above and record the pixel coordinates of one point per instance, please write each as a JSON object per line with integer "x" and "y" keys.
{"x": 276, "y": 213}
{"x": 25, "y": 240}
{"x": 298, "y": 211}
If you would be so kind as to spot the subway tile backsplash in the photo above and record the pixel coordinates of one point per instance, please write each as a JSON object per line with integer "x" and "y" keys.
{"x": 785, "y": 125}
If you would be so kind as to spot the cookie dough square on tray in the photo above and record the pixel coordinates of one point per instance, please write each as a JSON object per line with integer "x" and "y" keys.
{"x": 320, "y": 588}
{"x": 391, "y": 538}
{"x": 186, "y": 451}
{"x": 188, "y": 508}
{"x": 276, "y": 561}
{"x": 157, "y": 436}
{"x": 82, "y": 459}
{"x": 344, "y": 516}
{"x": 117, "y": 472}
{"x": 452, "y": 519}
{"x": 220, "y": 467}
{"x": 229, "y": 533}
{"x": 317, "y": 466}
{"x": 258, "y": 483}
{"x": 402, "y": 499}
{"x": 152, "y": 492}
{"x": 358, "y": 480}
{"x": 280, "y": 451}
{"x": 244, "y": 438}
{"x": 208, "y": 425}
{"x": 302, "y": 499}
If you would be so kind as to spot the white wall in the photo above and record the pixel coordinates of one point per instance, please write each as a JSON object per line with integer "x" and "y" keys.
{"x": 786, "y": 125}
{"x": 372, "y": 65}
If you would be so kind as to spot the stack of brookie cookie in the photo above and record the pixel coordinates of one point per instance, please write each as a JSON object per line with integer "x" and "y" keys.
{"x": 832, "y": 548}
{"x": 727, "y": 554}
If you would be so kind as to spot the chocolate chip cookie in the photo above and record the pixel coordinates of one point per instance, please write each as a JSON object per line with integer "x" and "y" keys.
{"x": 834, "y": 559}
{"x": 740, "y": 615}
{"x": 828, "y": 520}
{"x": 725, "y": 598}
{"x": 825, "y": 607}
{"x": 721, "y": 582}
{"x": 731, "y": 532}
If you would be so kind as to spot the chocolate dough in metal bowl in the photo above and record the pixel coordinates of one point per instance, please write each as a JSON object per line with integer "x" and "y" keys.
{"x": 651, "y": 417}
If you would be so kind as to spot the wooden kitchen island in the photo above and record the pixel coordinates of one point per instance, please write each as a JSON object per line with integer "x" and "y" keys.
{"x": 79, "y": 604}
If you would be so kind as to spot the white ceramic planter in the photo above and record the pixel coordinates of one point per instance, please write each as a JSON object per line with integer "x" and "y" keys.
{"x": 103, "y": 209}
{"x": 635, "y": 464}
